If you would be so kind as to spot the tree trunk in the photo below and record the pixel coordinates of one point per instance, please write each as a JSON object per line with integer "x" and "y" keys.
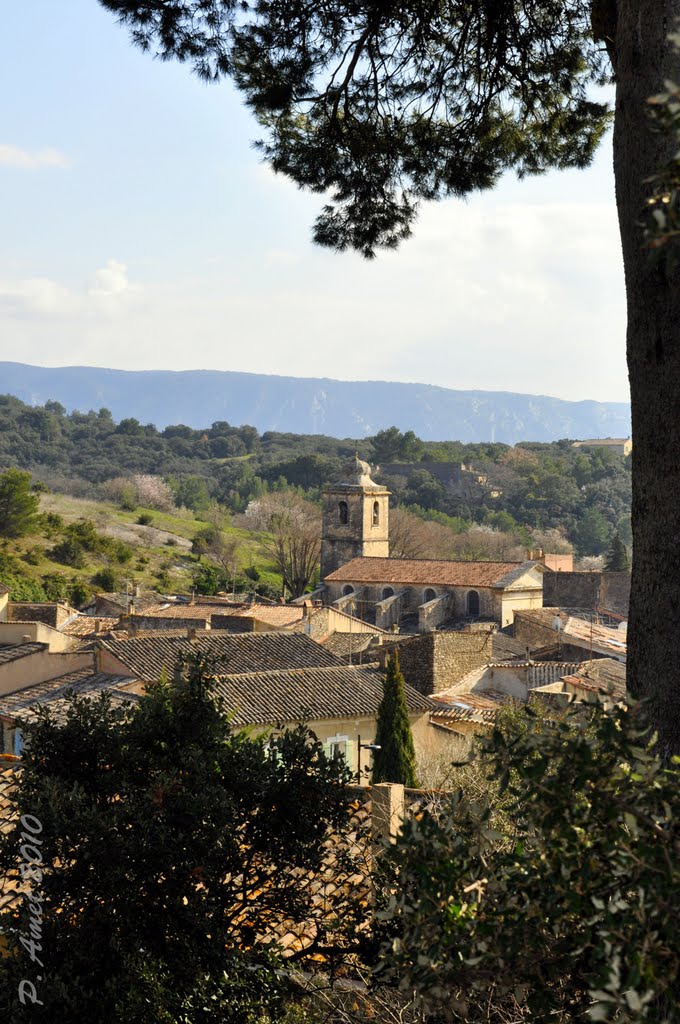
{"x": 644, "y": 60}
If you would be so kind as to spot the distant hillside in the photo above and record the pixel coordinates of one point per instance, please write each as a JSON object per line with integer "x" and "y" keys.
{"x": 314, "y": 405}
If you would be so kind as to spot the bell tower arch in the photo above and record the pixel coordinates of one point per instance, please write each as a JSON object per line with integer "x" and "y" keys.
{"x": 355, "y": 519}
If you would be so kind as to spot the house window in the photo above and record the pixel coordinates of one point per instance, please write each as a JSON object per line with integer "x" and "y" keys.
{"x": 347, "y": 590}
{"x": 430, "y": 594}
{"x": 376, "y": 513}
{"x": 340, "y": 746}
{"x": 473, "y": 603}
{"x": 387, "y": 592}
{"x": 344, "y": 512}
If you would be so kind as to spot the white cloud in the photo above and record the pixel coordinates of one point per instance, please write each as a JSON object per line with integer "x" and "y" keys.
{"x": 42, "y": 298}
{"x": 109, "y": 280}
{"x": 14, "y": 156}
{"x": 486, "y": 295}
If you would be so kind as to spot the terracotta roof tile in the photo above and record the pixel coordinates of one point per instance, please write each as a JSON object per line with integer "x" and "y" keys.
{"x": 83, "y": 682}
{"x": 262, "y": 698}
{"x": 86, "y": 625}
{"x": 424, "y": 571}
{"x": 274, "y": 614}
{"x": 236, "y": 653}
{"x": 12, "y": 652}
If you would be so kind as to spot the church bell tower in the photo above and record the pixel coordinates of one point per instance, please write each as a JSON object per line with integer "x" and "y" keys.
{"x": 355, "y": 519}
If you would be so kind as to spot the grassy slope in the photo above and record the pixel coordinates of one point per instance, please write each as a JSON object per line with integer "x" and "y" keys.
{"x": 172, "y": 558}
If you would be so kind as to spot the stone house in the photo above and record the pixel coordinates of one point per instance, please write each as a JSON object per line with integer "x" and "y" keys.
{"x": 360, "y": 577}
{"x": 618, "y": 445}
{"x": 575, "y": 638}
{"x": 436, "y": 591}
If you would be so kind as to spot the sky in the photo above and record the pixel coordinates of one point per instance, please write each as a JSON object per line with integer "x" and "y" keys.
{"x": 140, "y": 230}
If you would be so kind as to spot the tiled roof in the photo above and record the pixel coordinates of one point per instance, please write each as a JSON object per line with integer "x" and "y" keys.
{"x": 86, "y": 625}
{"x": 427, "y": 571}
{"x": 602, "y": 675}
{"x": 180, "y": 611}
{"x": 146, "y": 657}
{"x": 263, "y": 698}
{"x": 279, "y": 615}
{"x": 83, "y": 681}
{"x": 577, "y": 631}
{"x": 12, "y": 652}
{"x": 148, "y": 599}
{"x": 503, "y": 647}
{"x": 468, "y": 707}
{"x": 344, "y": 644}
{"x": 4, "y": 589}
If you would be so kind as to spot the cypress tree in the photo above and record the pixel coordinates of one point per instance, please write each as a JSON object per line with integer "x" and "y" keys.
{"x": 617, "y": 556}
{"x": 396, "y": 759}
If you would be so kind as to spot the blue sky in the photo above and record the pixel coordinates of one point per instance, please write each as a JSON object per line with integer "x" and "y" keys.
{"x": 139, "y": 229}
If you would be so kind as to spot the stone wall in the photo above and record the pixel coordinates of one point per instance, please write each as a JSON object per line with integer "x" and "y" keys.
{"x": 606, "y": 590}
{"x": 52, "y": 614}
{"x": 432, "y": 662}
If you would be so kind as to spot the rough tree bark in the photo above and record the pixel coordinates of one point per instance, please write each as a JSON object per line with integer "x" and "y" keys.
{"x": 643, "y": 60}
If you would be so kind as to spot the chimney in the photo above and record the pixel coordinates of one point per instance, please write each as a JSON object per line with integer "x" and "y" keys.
{"x": 192, "y": 599}
{"x": 539, "y": 553}
{"x": 26, "y": 638}
{"x": 137, "y": 591}
{"x": 530, "y": 555}
{"x": 131, "y": 607}
{"x": 191, "y": 633}
{"x": 97, "y": 625}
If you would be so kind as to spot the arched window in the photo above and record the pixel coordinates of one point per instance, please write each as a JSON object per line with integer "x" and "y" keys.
{"x": 347, "y": 589}
{"x": 387, "y": 592}
{"x": 429, "y": 595}
{"x": 473, "y": 603}
{"x": 344, "y": 512}
{"x": 376, "y": 513}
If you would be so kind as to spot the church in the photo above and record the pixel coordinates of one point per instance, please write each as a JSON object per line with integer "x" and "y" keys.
{"x": 359, "y": 577}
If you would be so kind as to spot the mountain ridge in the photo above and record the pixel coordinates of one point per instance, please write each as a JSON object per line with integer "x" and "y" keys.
{"x": 314, "y": 405}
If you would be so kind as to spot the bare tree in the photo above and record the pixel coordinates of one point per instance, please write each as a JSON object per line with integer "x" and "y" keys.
{"x": 291, "y": 535}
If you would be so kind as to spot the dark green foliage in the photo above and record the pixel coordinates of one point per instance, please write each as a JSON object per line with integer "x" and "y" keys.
{"x": 396, "y": 759}
{"x": 79, "y": 593}
{"x": 383, "y": 105}
{"x": 541, "y": 485}
{"x": 592, "y": 533}
{"x": 69, "y": 552}
{"x": 18, "y": 503}
{"x": 145, "y": 519}
{"x": 617, "y": 556}
{"x": 106, "y": 580}
{"x": 166, "y": 849}
{"x": 571, "y": 912}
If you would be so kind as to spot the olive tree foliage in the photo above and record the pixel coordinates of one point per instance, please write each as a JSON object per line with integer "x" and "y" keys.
{"x": 382, "y": 104}
{"x": 160, "y": 848}
{"x": 558, "y": 898}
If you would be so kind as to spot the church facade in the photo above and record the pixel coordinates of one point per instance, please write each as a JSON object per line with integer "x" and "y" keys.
{"x": 360, "y": 577}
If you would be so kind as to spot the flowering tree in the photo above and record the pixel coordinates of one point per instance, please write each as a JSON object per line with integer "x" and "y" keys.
{"x": 291, "y": 535}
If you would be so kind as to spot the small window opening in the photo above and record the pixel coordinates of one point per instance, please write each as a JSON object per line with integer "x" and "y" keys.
{"x": 473, "y": 603}
{"x": 376, "y": 513}
{"x": 430, "y": 594}
{"x": 344, "y": 512}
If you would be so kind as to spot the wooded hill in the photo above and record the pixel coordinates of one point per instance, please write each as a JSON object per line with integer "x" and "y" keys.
{"x": 585, "y": 495}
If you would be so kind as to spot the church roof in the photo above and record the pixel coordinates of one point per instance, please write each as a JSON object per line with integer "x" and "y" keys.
{"x": 429, "y": 571}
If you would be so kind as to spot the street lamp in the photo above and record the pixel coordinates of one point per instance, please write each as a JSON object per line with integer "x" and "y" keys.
{"x": 364, "y": 746}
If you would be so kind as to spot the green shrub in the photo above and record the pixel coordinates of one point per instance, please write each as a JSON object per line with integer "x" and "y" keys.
{"x": 144, "y": 519}
{"x": 33, "y": 555}
{"x": 569, "y": 912}
{"x": 106, "y": 580}
{"x": 69, "y": 552}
